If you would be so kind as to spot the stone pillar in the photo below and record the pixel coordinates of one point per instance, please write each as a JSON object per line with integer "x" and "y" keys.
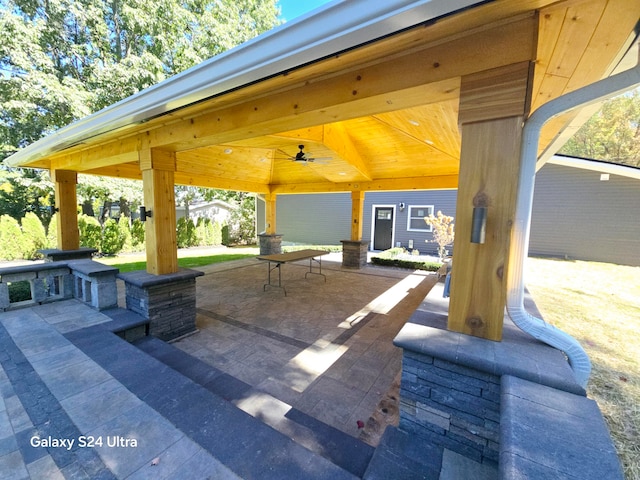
{"x": 270, "y": 243}
{"x": 354, "y": 253}
{"x": 167, "y": 301}
{"x": 56, "y": 255}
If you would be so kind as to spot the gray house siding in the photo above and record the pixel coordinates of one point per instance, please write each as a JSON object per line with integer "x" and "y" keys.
{"x": 320, "y": 219}
{"x": 577, "y": 215}
{"x": 326, "y": 218}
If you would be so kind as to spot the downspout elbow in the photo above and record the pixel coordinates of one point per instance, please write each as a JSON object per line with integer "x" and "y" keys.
{"x": 538, "y": 328}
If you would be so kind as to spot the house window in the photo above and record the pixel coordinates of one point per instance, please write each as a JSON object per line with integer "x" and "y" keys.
{"x": 415, "y": 222}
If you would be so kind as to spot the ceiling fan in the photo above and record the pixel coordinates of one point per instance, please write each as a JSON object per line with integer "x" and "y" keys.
{"x": 305, "y": 158}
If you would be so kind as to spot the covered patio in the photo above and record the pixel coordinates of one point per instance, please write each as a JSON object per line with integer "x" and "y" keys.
{"x": 362, "y": 96}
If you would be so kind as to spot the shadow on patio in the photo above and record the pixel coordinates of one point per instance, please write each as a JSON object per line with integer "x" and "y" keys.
{"x": 323, "y": 351}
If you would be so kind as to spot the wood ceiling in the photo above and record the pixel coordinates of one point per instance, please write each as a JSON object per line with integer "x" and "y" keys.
{"x": 385, "y": 115}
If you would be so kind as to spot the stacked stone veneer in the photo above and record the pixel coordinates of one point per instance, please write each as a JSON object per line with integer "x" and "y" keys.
{"x": 270, "y": 244}
{"x": 451, "y": 382}
{"x": 354, "y": 253}
{"x": 451, "y": 405}
{"x": 167, "y": 301}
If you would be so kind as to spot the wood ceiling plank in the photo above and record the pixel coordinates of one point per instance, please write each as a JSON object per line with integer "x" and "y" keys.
{"x": 337, "y": 138}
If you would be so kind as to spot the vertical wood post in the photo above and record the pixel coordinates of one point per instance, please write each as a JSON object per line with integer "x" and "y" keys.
{"x": 357, "y": 209}
{"x": 158, "y": 167}
{"x": 270, "y": 213}
{"x": 65, "y": 182}
{"x": 493, "y": 106}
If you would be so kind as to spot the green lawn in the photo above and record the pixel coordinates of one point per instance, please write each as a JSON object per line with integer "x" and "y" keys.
{"x": 186, "y": 259}
{"x": 599, "y": 305}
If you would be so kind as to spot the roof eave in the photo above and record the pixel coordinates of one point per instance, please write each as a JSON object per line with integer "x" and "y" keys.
{"x": 333, "y": 28}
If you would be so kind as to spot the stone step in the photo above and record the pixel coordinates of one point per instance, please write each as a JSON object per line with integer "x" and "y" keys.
{"x": 245, "y": 445}
{"x": 336, "y": 446}
{"x": 401, "y": 455}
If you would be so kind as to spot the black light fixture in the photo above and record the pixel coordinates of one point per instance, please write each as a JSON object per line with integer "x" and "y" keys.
{"x": 478, "y": 224}
{"x": 144, "y": 214}
{"x": 53, "y": 209}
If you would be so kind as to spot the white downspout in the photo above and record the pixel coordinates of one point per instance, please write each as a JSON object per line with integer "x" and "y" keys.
{"x": 538, "y": 328}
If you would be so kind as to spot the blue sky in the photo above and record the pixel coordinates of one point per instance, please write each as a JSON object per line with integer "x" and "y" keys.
{"x": 294, "y": 8}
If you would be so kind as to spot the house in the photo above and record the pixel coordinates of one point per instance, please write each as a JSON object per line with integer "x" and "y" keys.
{"x": 216, "y": 211}
{"x": 578, "y": 212}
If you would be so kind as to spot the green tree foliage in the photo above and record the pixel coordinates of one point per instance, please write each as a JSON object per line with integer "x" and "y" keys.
{"x": 90, "y": 232}
{"x": 35, "y": 237}
{"x": 112, "y": 238}
{"x": 186, "y": 234}
{"x": 137, "y": 233}
{"x": 52, "y": 232}
{"x": 612, "y": 134}
{"x": 12, "y": 244}
{"x": 63, "y": 59}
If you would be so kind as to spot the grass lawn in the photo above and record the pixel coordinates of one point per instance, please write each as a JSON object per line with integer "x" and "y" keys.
{"x": 187, "y": 258}
{"x": 599, "y": 305}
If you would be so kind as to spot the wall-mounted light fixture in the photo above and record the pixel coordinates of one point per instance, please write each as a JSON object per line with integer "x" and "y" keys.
{"x": 53, "y": 209}
{"x": 478, "y": 224}
{"x": 402, "y": 205}
{"x": 144, "y": 214}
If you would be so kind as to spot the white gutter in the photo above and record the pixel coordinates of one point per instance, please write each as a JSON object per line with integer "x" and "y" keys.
{"x": 333, "y": 28}
{"x": 538, "y": 328}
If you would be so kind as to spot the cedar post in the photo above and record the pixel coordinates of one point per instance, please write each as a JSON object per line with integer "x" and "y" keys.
{"x": 158, "y": 167}
{"x": 493, "y": 106}
{"x": 65, "y": 182}
{"x": 357, "y": 209}
{"x": 270, "y": 214}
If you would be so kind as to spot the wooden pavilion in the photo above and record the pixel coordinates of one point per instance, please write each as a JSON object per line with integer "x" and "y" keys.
{"x": 398, "y": 96}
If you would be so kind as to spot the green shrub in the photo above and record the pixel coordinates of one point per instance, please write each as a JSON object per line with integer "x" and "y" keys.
{"x": 90, "y": 232}
{"x": 35, "y": 238}
{"x": 19, "y": 291}
{"x": 125, "y": 231}
{"x": 112, "y": 238}
{"x": 52, "y": 232}
{"x": 225, "y": 235}
{"x": 389, "y": 258}
{"x": 12, "y": 244}
{"x": 216, "y": 233}
{"x": 137, "y": 233}
{"x": 186, "y": 234}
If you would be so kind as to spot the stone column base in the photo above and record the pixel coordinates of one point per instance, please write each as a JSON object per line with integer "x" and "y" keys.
{"x": 168, "y": 301}
{"x": 270, "y": 243}
{"x": 354, "y": 253}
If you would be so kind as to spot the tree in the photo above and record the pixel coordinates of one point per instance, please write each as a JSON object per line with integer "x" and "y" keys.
{"x": 612, "y": 134}
{"x": 61, "y": 60}
{"x": 443, "y": 233}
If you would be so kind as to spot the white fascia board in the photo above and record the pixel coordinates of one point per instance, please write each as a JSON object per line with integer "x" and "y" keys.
{"x": 332, "y": 28}
{"x": 596, "y": 166}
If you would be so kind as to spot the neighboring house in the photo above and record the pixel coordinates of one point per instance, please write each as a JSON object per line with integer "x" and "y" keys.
{"x": 216, "y": 210}
{"x": 583, "y": 209}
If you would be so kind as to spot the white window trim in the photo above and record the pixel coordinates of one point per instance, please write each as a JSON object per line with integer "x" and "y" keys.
{"x": 428, "y": 228}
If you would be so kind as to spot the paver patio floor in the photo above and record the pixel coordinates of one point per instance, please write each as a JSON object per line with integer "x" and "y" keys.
{"x": 324, "y": 349}
{"x": 309, "y": 364}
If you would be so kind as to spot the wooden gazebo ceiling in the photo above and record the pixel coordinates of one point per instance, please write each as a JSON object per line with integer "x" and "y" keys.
{"x": 385, "y": 114}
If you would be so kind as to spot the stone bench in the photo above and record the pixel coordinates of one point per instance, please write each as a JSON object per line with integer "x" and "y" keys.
{"x": 95, "y": 283}
{"x": 48, "y": 282}
{"x": 549, "y": 433}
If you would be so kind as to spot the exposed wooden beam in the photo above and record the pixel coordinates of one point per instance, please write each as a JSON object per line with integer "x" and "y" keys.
{"x": 357, "y": 210}
{"x": 440, "y": 182}
{"x": 384, "y": 86}
{"x": 185, "y": 178}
